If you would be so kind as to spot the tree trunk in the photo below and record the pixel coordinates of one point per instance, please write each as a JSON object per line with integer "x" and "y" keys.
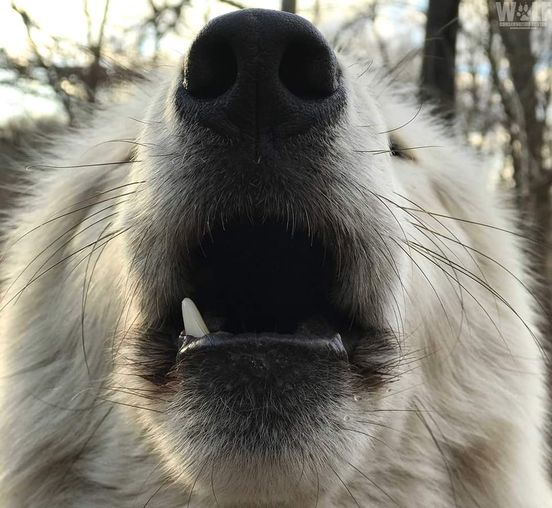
{"x": 517, "y": 46}
{"x": 438, "y": 67}
{"x": 289, "y": 6}
{"x": 521, "y": 105}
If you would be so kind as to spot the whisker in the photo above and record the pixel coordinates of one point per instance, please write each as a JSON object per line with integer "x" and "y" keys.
{"x": 85, "y": 291}
{"x": 345, "y": 486}
{"x": 397, "y": 149}
{"x": 373, "y": 483}
{"x": 77, "y": 166}
{"x": 53, "y": 242}
{"x": 109, "y": 237}
{"x": 406, "y": 123}
{"x": 445, "y": 216}
{"x": 53, "y": 219}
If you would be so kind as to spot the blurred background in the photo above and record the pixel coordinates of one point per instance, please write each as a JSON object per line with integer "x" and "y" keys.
{"x": 483, "y": 66}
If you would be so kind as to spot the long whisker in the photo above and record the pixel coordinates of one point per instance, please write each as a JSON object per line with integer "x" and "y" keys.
{"x": 345, "y": 486}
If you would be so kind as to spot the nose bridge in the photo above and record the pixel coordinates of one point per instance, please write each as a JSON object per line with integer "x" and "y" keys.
{"x": 257, "y": 72}
{"x": 256, "y": 37}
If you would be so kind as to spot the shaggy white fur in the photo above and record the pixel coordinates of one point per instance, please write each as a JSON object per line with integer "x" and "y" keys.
{"x": 461, "y": 422}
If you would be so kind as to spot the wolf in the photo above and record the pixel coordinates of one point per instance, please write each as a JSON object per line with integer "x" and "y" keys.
{"x": 268, "y": 278}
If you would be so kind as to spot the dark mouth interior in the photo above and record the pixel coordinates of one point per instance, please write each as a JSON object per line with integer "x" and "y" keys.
{"x": 265, "y": 278}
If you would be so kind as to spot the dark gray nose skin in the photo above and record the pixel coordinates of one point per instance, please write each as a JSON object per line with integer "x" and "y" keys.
{"x": 259, "y": 74}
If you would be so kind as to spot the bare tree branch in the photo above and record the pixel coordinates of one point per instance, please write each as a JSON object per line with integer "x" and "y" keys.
{"x": 237, "y": 5}
{"x": 52, "y": 75}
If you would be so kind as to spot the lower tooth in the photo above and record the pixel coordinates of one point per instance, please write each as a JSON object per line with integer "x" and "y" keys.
{"x": 193, "y": 322}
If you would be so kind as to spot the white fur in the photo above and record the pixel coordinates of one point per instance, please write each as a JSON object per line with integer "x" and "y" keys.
{"x": 461, "y": 425}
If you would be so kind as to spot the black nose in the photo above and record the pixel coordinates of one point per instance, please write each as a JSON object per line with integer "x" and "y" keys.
{"x": 257, "y": 73}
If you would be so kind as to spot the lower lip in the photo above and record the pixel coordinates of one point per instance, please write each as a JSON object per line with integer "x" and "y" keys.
{"x": 252, "y": 343}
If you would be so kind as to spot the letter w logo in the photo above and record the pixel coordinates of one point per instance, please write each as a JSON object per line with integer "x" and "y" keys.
{"x": 505, "y": 11}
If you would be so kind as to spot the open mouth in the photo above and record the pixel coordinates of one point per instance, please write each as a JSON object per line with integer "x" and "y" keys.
{"x": 265, "y": 283}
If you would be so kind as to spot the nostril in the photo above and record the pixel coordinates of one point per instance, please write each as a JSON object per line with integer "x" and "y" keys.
{"x": 309, "y": 70}
{"x": 212, "y": 70}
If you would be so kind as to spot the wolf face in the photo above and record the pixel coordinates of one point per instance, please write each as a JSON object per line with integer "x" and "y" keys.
{"x": 268, "y": 279}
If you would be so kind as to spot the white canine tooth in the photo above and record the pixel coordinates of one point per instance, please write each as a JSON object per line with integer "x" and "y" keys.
{"x": 193, "y": 322}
